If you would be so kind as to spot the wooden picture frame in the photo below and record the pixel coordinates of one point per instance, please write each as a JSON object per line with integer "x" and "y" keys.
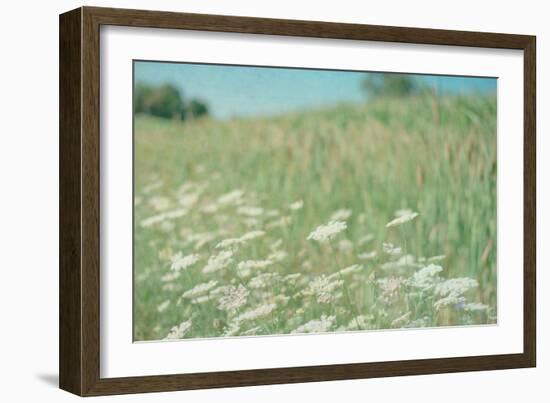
{"x": 79, "y": 348}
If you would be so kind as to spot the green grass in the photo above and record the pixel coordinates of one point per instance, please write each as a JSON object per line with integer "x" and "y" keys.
{"x": 436, "y": 157}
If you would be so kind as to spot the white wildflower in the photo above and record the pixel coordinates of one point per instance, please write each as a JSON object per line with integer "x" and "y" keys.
{"x": 324, "y": 289}
{"x": 218, "y": 262}
{"x": 199, "y": 289}
{"x": 323, "y": 324}
{"x": 390, "y": 287}
{"x": 341, "y": 215}
{"x": 231, "y": 198}
{"x": 297, "y": 205}
{"x": 263, "y": 280}
{"x": 201, "y": 300}
{"x": 354, "y": 268}
{"x": 180, "y": 262}
{"x": 402, "y": 262}
{"x": 162, "y": 307}
{"x": 456, "y": 286}
{"x": 367, "y": 255}
{"x": 403, "y": 212}
{"x": 452, "y": 291}
{"x": 420, "y": 322}
{"x": 360, "y": 322}
{"x": 178, "y": 332}
{"x": 254, "y": 264}
{"x": 250, "y": 211}
{"x": 437, "y": 258}
{"x": 252, "y": 332}
{"x": 228, "y": 243}
{"x": 252, "y": 235}
{"x": 152, "y": 186}
{"x": 324, "y": 233}
{"x": 201, "y": 239}
{"x": 176, "y": 213}
{"x": 150, "y": 221}
{"x": 209, "y": 208}
{"x": 425, "y": 278}
{"x": 232, "y": 242}
{"x": 402, "y": 320}
{"x": 391, "y": 249}
{"x": 277, "y": 256}
{"x": 188, "y": 200}
{"x": 162, "y": 217}
{"x": 232, "y": 330}
{"x": 456, "y": 300}
{"x": 272, "y": 213}
{"x": 234, "y": 298}
{"x": 401, "y": 219}
{"x": 259, "y": 312}
{"x": 169, "y": 277}
{"x": 159, "y": 203}
{"x": 281, "y": 222}
{"x": 292, "y": 278}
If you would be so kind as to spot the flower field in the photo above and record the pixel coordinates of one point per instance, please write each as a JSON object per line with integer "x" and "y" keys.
{"x": 351, "y": 218}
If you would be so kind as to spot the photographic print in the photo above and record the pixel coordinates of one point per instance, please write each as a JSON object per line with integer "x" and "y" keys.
{"x": 277, "y": 201}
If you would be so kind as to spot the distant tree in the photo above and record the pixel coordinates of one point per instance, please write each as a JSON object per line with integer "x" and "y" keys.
{"x": 142, "y": 94}
{"x": 391, "y": 85}
{"x": 196, "y": 108}
{"x": 164, "y": 101}
{"x": 167, "y": 102}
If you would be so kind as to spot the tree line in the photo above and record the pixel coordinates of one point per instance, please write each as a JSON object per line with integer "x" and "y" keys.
{"x": 166, "y": 101}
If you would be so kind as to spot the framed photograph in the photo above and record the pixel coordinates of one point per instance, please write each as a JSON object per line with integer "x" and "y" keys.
{"x": 249, "y": 201}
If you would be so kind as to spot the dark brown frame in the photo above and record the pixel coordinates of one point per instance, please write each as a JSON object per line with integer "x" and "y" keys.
{"x": 79, "y": 320}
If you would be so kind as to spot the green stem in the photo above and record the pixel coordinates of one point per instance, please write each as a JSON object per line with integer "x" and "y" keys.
{"x": 352, "y": 307}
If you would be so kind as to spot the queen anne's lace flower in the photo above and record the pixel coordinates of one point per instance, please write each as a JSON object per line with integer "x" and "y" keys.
{"x": 258, "y": 312}
{"x": 324, "y": 289}
{"x": 297, "y": 205}
{"x": 367, "y": 255}
{"x": 178, "y": 332}
{"x": 231, "y": 198}
{"x": 162, "y": 307}
{"x": 234, "y": 298}
{"x": 180, "y": 262}
{"x": 341, "y": 215}
{"x": 324, "y": 233}
{"x": 323, "y": 324}
{"x": 425, "y": 278}
{"x": 218, "y": 262}
{"x": 199, "y": 289}
{"x": 453, "y": 291}
{"x": 391, "y": 249}
{"x": 402, "y": 218}
{"x": 263, "y": 280}
{"x": 250, "y": 211}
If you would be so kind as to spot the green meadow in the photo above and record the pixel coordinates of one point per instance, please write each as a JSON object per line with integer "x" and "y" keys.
{"x": 279, "y": 225}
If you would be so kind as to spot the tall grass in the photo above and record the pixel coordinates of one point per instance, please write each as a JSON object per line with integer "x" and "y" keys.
{"x": 433, "y": 156}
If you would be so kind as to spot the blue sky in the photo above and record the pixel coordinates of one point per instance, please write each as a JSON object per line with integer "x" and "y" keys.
{"x": 262, "y": 91}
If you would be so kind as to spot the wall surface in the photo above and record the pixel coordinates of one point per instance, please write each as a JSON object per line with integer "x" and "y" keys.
{"x": 29, "y": 199}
